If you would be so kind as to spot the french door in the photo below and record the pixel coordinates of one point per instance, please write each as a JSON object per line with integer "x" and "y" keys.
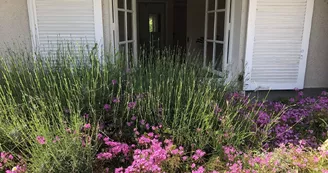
{"x": 124, "y": 30}
{"x": 217, "y": 33}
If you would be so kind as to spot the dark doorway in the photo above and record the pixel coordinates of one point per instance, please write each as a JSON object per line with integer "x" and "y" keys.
{"x": 152, "y": 25}
{"x": 180, "y": 23}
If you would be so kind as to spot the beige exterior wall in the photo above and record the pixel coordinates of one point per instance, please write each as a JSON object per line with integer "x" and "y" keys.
{"x": 14, "y": 25}
{"x": 317, "y": 64}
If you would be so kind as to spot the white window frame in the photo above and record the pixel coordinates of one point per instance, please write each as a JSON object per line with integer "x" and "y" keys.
{"x": 227, "y": 42}
{"x": 98, "y": 19}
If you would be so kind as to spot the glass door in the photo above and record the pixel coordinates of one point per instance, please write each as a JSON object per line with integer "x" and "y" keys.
{"x": 216, "y": 36}
{"x": 124, "y": 34}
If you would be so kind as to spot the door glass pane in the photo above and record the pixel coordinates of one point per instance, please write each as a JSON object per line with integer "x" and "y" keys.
{"x": 209, "y": 54}
{"x": 220, "y": 26}
{"x": 211, "y": 5}
{"x": 121, "y": 25}
{"x": 122, "y": 57}
{"x": 130, "y": 24}
{"x": 122, "y": 49}
{"x": 129, "y": 4}
{"x": 210, "y": 26}
{"x": 121, "y": 4}
{"x": 130, "y": 54}
{"x": 221, "y": 4}
{"x": 153, "y": 23}
{"x": 218, "y": 57}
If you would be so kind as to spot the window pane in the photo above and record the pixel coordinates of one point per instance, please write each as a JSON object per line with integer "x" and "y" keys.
{"x": 210, "y": 26}
{"x": 211, "y": 5}
{"x": 130, "y": 53}
{"x": 220, "y": 26}
{"x": 218, "y": 57}
{"x": 122, "y": 51}
{"x": 221, "y": 4}
{"x": 129, "y": 4}
{"x": 130, "y": 28}
{"x": 121, "y": 25}
{"x": 209, "y": 54}
{"x": 121, "y": 4}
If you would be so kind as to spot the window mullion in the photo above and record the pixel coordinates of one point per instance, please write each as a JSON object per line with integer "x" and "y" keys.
{"x": 214, "y": 36}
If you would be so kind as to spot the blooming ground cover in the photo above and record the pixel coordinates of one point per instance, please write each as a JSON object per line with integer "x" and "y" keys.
{"x": 162, "y": 116}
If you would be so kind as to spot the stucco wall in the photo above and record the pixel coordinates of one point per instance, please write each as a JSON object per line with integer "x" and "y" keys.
{"x": 14, "y": 25}
{"x": 317, "y": 65}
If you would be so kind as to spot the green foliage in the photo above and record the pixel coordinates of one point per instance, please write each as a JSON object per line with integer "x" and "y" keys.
{"x": 40, "y": 96}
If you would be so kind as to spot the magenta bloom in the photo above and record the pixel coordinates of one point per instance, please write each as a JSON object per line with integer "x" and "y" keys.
{"x": 99, "y": 136}
{"x": 87, "y": 126}
{"x": 41, "y": 140}
{"x": 114, "y": 82}
{"x": 107, "y": 107}
{"x": 132, "y": 105}
{"x": 133, "y": 118}
{"x": 116, "y": 100}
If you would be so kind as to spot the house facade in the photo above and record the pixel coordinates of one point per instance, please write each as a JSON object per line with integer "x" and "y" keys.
{"x": 269, "y": 44}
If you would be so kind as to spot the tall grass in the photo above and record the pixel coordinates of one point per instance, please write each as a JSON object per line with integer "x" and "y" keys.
{"x": 44, "y": 97}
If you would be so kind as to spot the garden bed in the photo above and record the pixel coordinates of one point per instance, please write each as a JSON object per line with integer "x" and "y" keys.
{"x": 159, "y": 116}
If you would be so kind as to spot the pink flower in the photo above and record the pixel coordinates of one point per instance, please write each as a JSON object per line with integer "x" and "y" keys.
{"x": 184, "y": 158}
{"x": 193, "y": 165}
{"x": 41, "y": 140}
{"x": 10, "y": 157}
{"x": 132, "y": 105}
{"x": 99, "y": 136}
{"x": 87, "y": 126}
{"x": 114, "y": 81}
{"x": 56, "y": 139}
{"x": 116, "y": 100}
{"x": 107, "y": 107}
{"x": 133, "y": 118}
{"x": 316, "y": 159}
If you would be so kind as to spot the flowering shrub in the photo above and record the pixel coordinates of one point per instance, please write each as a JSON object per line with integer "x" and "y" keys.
{"x": 11, "y": 164}
{"x": 302, "y": 119}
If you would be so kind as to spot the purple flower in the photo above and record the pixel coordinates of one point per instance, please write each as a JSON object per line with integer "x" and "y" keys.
{"x": 99, "y": 136}
{"x": 132, "y": 105}
{"x": 114, "y": 82}
{"x": 107, "y": 107}
{"x": 133, "y": 118}
{"x": 116, "y": 100}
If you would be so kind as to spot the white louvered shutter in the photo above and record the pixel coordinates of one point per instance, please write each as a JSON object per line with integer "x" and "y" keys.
{"x": 277, "y": 44}
{"x": 59, "y": 23}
